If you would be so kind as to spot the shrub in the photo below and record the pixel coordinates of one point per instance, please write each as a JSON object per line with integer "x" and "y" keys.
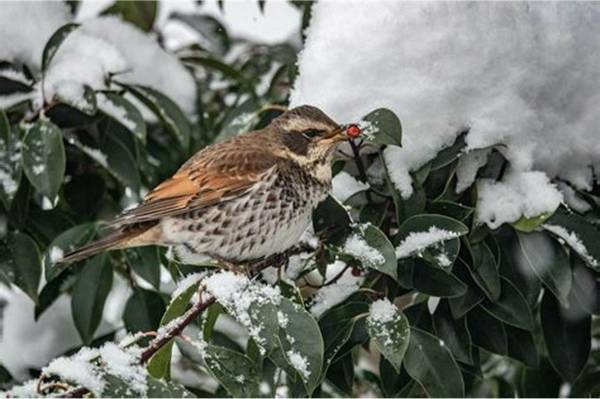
{"x": 434, "y": 303}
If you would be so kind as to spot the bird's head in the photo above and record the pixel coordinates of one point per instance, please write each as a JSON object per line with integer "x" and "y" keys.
{"x": 310, "y": 136}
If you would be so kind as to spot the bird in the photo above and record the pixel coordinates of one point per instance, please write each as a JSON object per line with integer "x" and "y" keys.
{"x": 240, "y": 200}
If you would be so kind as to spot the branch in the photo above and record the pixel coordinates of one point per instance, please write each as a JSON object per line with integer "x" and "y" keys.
{"x": 176, "y": 326}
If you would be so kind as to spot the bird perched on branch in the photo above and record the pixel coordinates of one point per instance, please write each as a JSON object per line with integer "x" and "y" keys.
{"x": 240, "y": 200}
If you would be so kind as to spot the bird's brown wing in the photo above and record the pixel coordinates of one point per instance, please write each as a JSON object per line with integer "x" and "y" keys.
{"x": 216, "y": 174}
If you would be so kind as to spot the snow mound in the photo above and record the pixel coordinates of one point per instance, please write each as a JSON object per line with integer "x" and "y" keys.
{"x": 521, "y": 74}
{"x": 26, "y": 26}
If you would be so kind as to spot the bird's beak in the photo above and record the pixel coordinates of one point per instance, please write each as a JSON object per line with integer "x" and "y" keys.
{"x": 344, "y": 132}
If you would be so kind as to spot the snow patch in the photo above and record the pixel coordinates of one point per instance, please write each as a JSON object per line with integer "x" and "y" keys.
{"x": 416, "y": 242}
{"x": 345, "y": 186}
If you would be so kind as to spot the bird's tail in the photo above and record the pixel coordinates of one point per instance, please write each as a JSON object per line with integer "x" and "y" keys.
{"x": 125, "y": 237}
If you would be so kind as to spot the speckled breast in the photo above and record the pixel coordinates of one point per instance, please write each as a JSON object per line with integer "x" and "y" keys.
{"x": 268, "y": 219}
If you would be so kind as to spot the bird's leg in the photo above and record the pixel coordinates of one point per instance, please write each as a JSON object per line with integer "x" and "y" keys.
{"x": 226, "y": 264}
{"x": 275, "y": 261}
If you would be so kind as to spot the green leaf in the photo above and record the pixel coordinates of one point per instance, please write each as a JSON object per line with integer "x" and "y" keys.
{"x": 44, "y": 160}
{"x": 382, "y": 126}
{"x": 549, "y": 262}
{"x": 453, "y": 332}
{"x": 301, "y": 344}
{"x": 123, "y": 112}
{"x": 140, "y": 13}
{"x": 370, "y": 246}
{"x": 528, "y": 225}
{"x": 89, "y": 295}
{"x": 159, "y": 365}
{"x": 166, "y": 110}
{"x": 54, "y": 43}
{"x": 521, "y": 346}
{"x": 451, "y": 209}
{"x": 429, "y": 361}
{"x": 582, "y": 236}
{"x": 330, "y": 216}
{"x": 487, "y": 331}
{"x": 145, "y": 261}
{"x": 541, "y": 382}
{"x": 24, "y": 264}
{"x": 337, "y": 325}
{"x": 567, "y": 334}
{"x": 485, "y": 270}
{"x": 511, "y": 307}
{"x": 430, "y": 229}
{"x": 389, "y": 330}
{"x": 234, "y": 370}
{"x": 164, "y": 389}
{"x": 432, "y": 280}
{"x": 143, "y": 311}
{"x": 241, "y": 120}
{"x": 449, "y": 154}
{"x": 67, "y": 241}
{"x": 84, "y": 101}
{"x": 10, "y": 165}
{"x": 462, "y": 304}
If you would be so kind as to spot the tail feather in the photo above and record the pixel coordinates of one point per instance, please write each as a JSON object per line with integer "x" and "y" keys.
{"x": 125, "y": 237}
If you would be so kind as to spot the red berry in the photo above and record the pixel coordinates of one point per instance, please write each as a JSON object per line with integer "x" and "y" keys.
{"x": 353, "y": 131}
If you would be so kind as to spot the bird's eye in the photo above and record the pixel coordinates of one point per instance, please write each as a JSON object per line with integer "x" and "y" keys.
{"x": 311, "y": 133}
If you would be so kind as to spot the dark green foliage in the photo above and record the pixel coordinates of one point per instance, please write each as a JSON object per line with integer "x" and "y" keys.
{"x": 517, "y": 308}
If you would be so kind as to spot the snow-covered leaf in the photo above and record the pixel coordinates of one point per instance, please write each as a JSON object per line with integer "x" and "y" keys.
{"x": 369, "y": 245}
{"x": 234, "y": 370}
{"x": 23, "y": 264}
{"x": 166, "y": 110}
{"x": 301, "y": 344}
{"x": 80, "y": 97}
{"x": 66, "y": 241}
{"x": 578, "y": 233}
{"x": 10, "y": 165}
{"x": 44, "y": 158}
{"x": 389, "y": 329}
{"x": 54, "y": 43}
{"x": 122, "y": 111}
{"x": 382, "y": 126}
{"x": 548, "y": 261}
{"x": 89, "y": 295}
{"x": 429, "y": 361}
{"x": 422, "y": 231}
{"x": 159, "y": 365}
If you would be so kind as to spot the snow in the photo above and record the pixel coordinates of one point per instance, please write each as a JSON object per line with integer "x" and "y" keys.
{"x": 25, "y": 27}
{"x": 9, "y": 100}
{"x": 15, "y": 76}
{"x": 573, "y": 200}
{"x": 571, "y": 238}
{"x": 237, "y": 293}
{"x": 299, "y": 363}
{"x": 78, "y": 370}
{"x": 382, "y": 311}
{"x": 331, "y": 295}
{"x": 100, "y": 47}
{"x": 125, "y": 365}
{"x": 527, "y": 194}
{"x": 55, "y": 253}
{"x": 514, "y": 73}
{"x": 357, "y": 246}
{"x": 416, "y": 242}
{"x": 115, "y": 111}
{"x": 345, "y": 186}
{"x": 468, "y": 166}
{"x": 186, "y": 283}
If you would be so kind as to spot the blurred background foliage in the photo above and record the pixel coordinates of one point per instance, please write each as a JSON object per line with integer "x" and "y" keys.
{"x": 487, "y": 316}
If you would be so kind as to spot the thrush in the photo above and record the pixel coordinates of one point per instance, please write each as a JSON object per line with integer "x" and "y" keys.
{"x": 240, "y": 200}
